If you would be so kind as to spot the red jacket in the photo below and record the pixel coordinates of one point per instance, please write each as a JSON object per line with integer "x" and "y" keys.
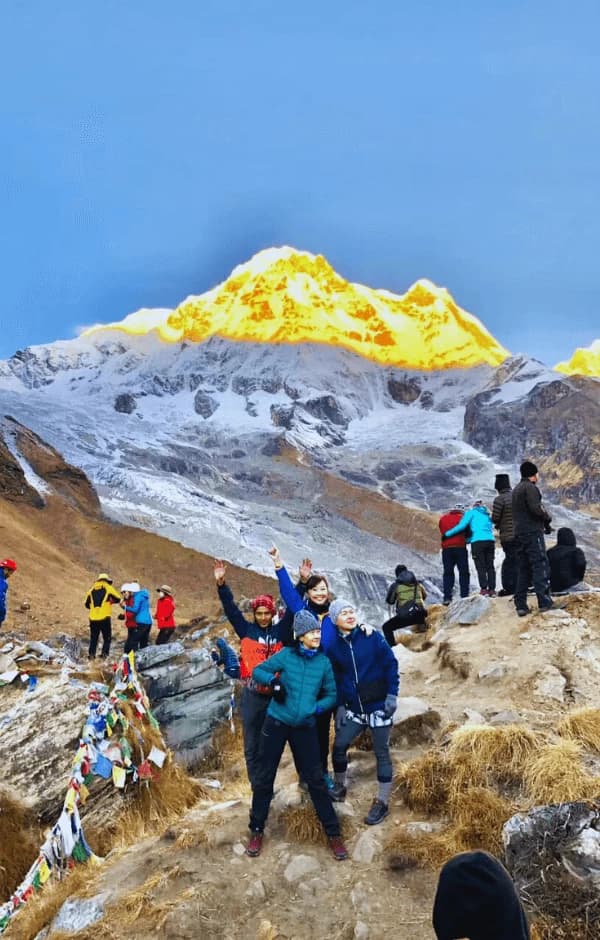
{"x": 448, "y": 522}
{"x": 165, "y": 608}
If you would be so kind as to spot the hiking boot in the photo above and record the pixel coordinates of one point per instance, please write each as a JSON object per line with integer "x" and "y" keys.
{"x": 338, "y": 793}
{"x": 329, "y": 782}
{"x": 484, "y": 592}
{"x": 446, "y": 602}
{"x": 255, "y": 844}
{"x": 503, "y": 593}
{"x": 553, "y": 605}
{"x": 491, "y": 594}
{"x": 377, "y": 813}
{"x": 340, "y": 852}
{"x": 523, "y": 611}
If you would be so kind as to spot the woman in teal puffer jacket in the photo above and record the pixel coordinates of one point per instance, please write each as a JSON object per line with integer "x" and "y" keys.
{"x": 478, "y": 522}
{"x": 303, "y": 685}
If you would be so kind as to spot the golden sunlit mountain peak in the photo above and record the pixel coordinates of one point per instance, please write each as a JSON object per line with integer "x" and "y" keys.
{"x": 583, "y": 361}
{"x": 282, "y": 295}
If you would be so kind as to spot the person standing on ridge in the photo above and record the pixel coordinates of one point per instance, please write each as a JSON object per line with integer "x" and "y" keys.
{"x": 139, "y": 606}
{"x": 502, "y": 517}
{"x": 302, "y": 683}
{"x": 260, "y": 638}
{"x": 165, "y": 609}
{"x": 454, "y": 554}
{"x": 531, "y": 521}
{"x": 367, "y": 679}
{"x": 482, "y": 542}
{"x": 7, "y": 567}
{"x": 99, "y": 601}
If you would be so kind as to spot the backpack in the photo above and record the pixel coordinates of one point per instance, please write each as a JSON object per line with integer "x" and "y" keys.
{"x": 412, "y": 609}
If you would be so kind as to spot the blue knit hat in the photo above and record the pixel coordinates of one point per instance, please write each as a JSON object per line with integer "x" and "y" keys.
{"x": 304, "y": 622}
{"x": 337, "y": 606}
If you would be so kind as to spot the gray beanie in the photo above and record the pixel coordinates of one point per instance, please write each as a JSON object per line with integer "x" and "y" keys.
{"x": 304, "y": 622}
{"x": 337, "y": 606}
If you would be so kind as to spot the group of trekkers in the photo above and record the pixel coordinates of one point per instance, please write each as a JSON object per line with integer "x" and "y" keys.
{"x": 522, "y": 521}
{"x": 134, "y": 602}
{"x": 313, "y": 665}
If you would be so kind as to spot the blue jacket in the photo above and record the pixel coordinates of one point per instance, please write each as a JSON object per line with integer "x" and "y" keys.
{"x": 480, "y": 521}
{"x": 360, "y": 659}
{"x": 308, "y": 682}
{"x": 294, "y": 601}
{"x": 141, "y": 608}
{"x": 3, "y": 590}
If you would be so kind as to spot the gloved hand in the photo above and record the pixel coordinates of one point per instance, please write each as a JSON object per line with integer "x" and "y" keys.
{"x": 366, "y": 628}
{"x": 389, "y": 706}
{"x": 279, "y": 690}
{"x": 340, "y": 717}
{"x": 120, "y": 616}
{"x": 548, "y": 530}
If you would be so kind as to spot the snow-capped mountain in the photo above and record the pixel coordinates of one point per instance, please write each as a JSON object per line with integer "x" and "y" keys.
{"x": 583, "y": 361}
{"x": 229, "y": 444}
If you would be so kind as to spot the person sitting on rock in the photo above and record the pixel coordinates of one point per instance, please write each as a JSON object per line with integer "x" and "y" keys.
{"x": 407, "y": 596}
{"x": 7, "y": 567}
{"x": 367, "y": 679}
{"x": 260, "y": 638}
{"x": 567, "y": 562}
{"x": 478, "y": 522}
{"x": 454, "y": 554}
{"x": 502, "y": 518}
{"x": 477, "y": 900}
{"x": 99, "y": 601}
{"x": 302, "y": 683}
{"x": 164, "y": 615}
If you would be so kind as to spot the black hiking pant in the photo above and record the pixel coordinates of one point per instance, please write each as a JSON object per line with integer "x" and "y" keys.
{"x": 323, "y": 728}
{"x": 304, "y": 744}
{"x": 532, "y": 568}
{"x": 165, "y": 635}
{"x": 455, "y": 557}
{"x": 508, "y": 573}
{"x": 97, "y": 628}
{"x": 483, "y": 556}
{"x": 137, "y": 638}
{"x": 253, "y": 708}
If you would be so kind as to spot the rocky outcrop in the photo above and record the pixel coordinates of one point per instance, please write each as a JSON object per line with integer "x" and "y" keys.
{"x": 542, "y": 424}
{"x": 553, "y": 855}
{"x": 404, "y": 391}
{"x": 125, "y": 403}
{"x": 189, "y": 695}
{"x": 40, "y": 728}
{"x": 204, "y": 404}
{"x": 13, "y": 484}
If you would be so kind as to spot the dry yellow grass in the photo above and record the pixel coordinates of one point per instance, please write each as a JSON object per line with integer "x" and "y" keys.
{"x": 423, "y": 783}
{"x": 582, "y": 725}
{"x": 482, "y": 756}
{"x": 547, "y": 928}
{"x": 302, "y": 825}
{"x": 20, "y": 839}
{"x": 423, "y": 849}
{"x": 478, "y": 815}
{"x": 44, "y": 905}
{"x": 555, "y": 775}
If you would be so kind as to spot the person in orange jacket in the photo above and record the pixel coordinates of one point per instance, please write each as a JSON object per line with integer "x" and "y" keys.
{"x": 165, "y": 608}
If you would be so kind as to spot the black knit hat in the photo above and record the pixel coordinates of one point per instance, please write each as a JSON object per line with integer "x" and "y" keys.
{"x": 528, "y": 469}
{"x": 476, "y": 898}
{"x": 502, "y": 482}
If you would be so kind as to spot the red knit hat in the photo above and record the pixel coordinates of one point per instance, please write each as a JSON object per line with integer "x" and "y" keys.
{"x": 264, "y": 600}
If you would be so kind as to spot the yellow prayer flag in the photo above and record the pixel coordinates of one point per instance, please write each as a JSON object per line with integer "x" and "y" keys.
{"x": 118, "y": 776}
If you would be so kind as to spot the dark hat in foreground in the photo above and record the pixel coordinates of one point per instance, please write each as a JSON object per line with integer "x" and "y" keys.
{"x": 502, "y": 482}
{"x": 476, "y": 898}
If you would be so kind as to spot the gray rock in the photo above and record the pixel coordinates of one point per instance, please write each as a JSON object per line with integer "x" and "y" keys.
{"x": 300, "y": 866}
{"x": 414, "y": 722}
{"x": 257, "y": 891}
{"x": 551, "y": 684}
{"x": 467, "y": 610}
{"x": 79, "y": 913}
{"x": 473, "y": 717}
{"x": 505, "y": 717}
{"x": 239, "y": 849}
{"x": 493, "y": 672}
{"x": 125, "y": 404}
{"x": 366, "y": 847}
{"x": 361, "y": 931}
{"x": 204, "y": 404}
{"x": 153, "y": 655}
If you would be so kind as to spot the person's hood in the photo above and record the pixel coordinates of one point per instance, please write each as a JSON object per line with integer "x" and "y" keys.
{"x": 476, "y": 898}
{"x": 406, "y": 577}
{"x": 565, "y": 537}
{"x": 482, "y": 509}
{"x": 144, "y": 593}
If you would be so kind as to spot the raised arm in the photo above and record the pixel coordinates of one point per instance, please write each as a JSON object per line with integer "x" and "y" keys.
{"x": 230, "y": 608}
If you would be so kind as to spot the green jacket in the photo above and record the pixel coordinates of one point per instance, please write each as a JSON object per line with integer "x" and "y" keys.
{"x": 308, "y": 681}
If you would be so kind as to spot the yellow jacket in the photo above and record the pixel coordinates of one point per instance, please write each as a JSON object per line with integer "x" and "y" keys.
{"x": 100, "y": 598}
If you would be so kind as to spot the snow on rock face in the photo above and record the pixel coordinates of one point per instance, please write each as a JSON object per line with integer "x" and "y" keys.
{"x": 223, "y": 445}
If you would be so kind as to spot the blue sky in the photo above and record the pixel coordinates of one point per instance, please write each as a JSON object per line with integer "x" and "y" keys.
{"x": 149, "y": 147}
